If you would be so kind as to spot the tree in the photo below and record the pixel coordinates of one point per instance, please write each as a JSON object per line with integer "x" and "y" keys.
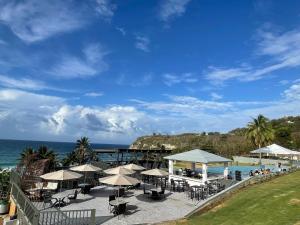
{"x": 260, "y": 131}
{"x": 44, "y": 153}
{"x": 27, "y": 156}
{"x": 82, "y": 153}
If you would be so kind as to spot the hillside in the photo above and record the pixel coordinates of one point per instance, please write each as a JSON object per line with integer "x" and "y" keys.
{"x": 287, "y": 133}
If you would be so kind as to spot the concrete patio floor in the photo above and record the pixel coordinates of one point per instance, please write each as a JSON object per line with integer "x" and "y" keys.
{"x": 140, "y": 208}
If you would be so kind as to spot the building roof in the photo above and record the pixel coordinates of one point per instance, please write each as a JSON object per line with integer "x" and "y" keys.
{"x": 199, "y": 156}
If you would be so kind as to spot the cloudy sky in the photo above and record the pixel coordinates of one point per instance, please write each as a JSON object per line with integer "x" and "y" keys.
{"x": 115, "y": 70}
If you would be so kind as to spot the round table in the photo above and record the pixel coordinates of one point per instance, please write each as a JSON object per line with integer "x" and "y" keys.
{"x": 117, "y": 202}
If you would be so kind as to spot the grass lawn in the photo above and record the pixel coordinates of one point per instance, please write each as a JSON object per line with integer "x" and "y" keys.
{"x": 273, "y": 202}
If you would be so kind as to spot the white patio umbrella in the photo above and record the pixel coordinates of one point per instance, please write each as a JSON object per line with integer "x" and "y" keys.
{"x": 156, "y": 173}
{"x": 86, "y": 168}
{"x": 133, "y": 166}
{"x": 119, "y": 180}
{"x": 119, "y": 170}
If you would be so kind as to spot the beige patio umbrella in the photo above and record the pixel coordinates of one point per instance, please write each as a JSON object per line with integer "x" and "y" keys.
{"x": 61, "y": 175}
{"x": 156, "y": 173}
{"x": 119, "y": 180}
{"x": 119, "y": 170}
{"x": 134, "y": 167}
{"x": 86, "y": 168}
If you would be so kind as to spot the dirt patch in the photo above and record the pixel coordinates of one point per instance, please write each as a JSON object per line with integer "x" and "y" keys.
{"x": 297, "y": 223}
{"x": 220, "y": 206}
{"x": 295, "y": 201}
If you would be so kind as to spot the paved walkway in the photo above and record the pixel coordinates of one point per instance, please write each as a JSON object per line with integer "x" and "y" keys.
{"x": 140, "y": 209}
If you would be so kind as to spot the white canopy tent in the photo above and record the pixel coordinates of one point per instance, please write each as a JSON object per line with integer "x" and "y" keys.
{"x": 275, "y": 149}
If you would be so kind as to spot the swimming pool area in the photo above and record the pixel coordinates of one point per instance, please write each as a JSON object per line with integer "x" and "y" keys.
{"x": 244, "y": 169}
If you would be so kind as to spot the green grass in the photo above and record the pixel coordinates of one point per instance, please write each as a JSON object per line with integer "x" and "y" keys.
{"x": 274, "y": 202}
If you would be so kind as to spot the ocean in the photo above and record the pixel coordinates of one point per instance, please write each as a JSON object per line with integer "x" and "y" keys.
{"x": 10, "y": 149}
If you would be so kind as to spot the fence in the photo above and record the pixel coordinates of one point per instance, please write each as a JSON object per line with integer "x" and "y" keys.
{"x": 72, "y": 217}
{"x": 28, "y": 214}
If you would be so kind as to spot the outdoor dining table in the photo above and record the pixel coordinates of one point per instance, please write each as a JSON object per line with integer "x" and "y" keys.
{"x": 85, "y": 188}
{"x": 117, "y": 202}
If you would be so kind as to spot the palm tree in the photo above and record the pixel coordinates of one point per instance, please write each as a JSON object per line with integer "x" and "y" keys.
{"x": 82, "y": 148}
{"x": 44, "y": 153}
{"x": 260, "y": 132}
{"x": 27, "y": 156}
{"x": 84, "y": 151}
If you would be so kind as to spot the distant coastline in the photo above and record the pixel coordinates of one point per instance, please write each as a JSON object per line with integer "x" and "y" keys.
{"x": 10, "y": 149}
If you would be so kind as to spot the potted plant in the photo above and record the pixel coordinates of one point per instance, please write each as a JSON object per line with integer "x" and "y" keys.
{"x": 4, "y": 203}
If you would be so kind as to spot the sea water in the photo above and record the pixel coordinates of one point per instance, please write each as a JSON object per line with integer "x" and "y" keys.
{"x": 10, "y": 150}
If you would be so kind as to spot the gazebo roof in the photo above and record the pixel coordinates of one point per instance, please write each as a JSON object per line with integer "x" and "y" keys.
{"x": 199, "y": 156}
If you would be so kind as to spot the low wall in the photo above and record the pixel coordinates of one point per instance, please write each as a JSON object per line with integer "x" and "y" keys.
{"x": 249, "y": 160}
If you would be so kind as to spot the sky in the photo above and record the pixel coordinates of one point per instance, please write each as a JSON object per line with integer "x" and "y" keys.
{"x": 117, "y": 70}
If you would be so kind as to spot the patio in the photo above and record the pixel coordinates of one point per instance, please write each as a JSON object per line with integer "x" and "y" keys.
{"x": 140, "y": 208}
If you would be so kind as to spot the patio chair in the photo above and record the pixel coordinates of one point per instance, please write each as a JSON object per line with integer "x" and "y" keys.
{"x": 72, "y": 197}
{"x": 155, "y": 195}
{"x": 48, "y": 199}
{"x": 120, "y": 209}
{"x": 145, "y": 191}
{"x": 162, "y": 193}
{"x": 111, "y": 198}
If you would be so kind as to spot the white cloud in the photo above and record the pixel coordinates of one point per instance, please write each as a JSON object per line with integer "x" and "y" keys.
{"x": 23, "y": 83}
{"x": 75, "y": 67}
{"x": 122, "y": 30}
{"x": 35, "y": 20}
{"x": 293, "y": 92}
{"x": 27, "y": 84}
{"x": 142, "y": 43}
{"x": 143, "y": 80}
{"x": 34, "y": 116}
{"x": 105, "y": 8}
{"x": 214, "y": 96}
{"x": 171, "y": 79}
{"x": 170, "y": 9}
{"x": 282, "y": 50}
{"x": 2, "y": 42}
{"x": 94, "y": 94}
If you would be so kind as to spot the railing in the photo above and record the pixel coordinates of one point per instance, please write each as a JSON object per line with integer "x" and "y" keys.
{"x": 71, "y": 217}
{"x": 28, "y": 214}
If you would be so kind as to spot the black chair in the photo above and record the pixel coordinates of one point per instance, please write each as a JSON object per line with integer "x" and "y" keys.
{"x": 120, "y": 209}
{"x": 111, "y": 198}
{"x": 162, "y": 193}
{"x": 155, "y": 195}
{"x": 146, "y": 192}
{"x": 73, "y": 196}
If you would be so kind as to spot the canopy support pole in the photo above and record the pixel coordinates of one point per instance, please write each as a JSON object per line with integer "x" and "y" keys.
{"x": 204, "y": 172}
{"x": 171, "y": 165}
{"x": 226, "y": 170}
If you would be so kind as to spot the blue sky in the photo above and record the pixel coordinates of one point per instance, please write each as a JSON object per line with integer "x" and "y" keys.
{"x": 116, "y": 70}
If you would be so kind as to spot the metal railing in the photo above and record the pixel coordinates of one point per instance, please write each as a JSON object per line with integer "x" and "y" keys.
{"x": 28, "y": 214}
{"x": 70, "y": 217}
